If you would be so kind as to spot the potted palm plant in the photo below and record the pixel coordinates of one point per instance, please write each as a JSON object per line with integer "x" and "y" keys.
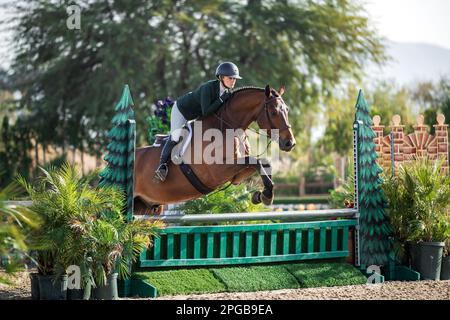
{"x": 67, "y": 206}
{"x": 419, "y": 199}
{"x": 117, "y": 243}
{"x": 431, "y": 194}
{"x": 403, "y": 219}
{"x": 82, "y": 226}
{"x": 55, "y": 199}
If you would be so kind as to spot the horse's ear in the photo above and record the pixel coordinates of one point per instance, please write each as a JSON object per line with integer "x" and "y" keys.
{"x": 268, "y": 91}
{"x": 281, "y": 91}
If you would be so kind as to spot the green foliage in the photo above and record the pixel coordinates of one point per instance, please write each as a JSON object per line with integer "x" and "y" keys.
{"x": 419, "y": 200}
{"x": 117, "y": 243}
{"x": 434, "y": 99}
{"x": 232, "y": 199}
{"x": 400, "y": 210}
{"x": 386, "y": 100}
{"x": 83, "y": 226}
{"x": 15, "y": 143}
{"x": 344, "y": 195}
{"x": 16, "y": 223}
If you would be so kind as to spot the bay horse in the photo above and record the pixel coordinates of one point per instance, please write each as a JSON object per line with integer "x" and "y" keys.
{"x": 245, "y": 106}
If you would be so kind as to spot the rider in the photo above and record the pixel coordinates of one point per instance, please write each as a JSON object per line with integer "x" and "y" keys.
{"x": 205, "y": 100}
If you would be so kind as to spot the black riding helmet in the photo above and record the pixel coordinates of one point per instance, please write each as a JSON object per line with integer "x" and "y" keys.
{"x": 228, "y": 69}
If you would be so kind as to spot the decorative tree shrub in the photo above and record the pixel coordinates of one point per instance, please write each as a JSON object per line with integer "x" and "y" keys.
{"x": 120, "y": 157}
{"x": 376, "y": 232}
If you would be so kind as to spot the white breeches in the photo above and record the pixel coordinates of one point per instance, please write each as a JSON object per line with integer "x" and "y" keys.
{"x": 177, "y": 121}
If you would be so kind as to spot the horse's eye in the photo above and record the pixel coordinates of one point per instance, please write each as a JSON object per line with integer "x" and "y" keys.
{"x": 274, "y": 113}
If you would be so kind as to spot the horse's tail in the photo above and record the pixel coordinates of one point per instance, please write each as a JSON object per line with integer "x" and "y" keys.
{"x": 121, "y": 150}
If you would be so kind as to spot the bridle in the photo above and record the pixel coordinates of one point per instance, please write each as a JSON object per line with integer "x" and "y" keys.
{"x": 266, "y": 109}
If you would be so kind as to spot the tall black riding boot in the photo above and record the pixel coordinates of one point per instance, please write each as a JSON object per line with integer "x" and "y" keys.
{"x": 161, "y": 172}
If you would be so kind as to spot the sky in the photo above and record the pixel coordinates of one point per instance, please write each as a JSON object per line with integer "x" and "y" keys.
{"x": 425, "y": 21}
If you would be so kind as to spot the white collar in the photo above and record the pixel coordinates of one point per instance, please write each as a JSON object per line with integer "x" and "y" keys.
{"x": 222, "y": 88}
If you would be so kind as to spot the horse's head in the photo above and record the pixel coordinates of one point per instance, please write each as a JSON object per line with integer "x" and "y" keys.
{"x": 274, "y": 115}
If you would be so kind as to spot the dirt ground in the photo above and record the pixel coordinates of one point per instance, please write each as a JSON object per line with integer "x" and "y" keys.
{"x": 392, "y": 290}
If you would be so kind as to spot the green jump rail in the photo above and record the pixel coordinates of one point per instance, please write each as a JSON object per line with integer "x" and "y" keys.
{"x": 181, "y": 246}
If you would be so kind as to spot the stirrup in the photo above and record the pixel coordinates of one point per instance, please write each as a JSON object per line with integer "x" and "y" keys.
{"x": 161, "y": 173}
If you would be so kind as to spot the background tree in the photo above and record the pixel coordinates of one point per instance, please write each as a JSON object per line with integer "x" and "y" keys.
{"x": 386, "y": 100}
{"x": 433, "y": 98}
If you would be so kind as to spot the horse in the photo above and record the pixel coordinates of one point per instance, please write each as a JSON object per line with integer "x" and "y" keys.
{"x": 245, "y": 106}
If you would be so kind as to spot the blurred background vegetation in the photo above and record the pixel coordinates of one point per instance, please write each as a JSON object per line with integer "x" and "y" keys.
{"x": 61, "y": 87}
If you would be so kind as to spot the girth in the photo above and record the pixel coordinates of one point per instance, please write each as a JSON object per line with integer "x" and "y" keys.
{"x": 193, "y": 179}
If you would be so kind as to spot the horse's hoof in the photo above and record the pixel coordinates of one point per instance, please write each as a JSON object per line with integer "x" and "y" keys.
{"x": 256, "y": 197}
{"x": 267, "y": 199}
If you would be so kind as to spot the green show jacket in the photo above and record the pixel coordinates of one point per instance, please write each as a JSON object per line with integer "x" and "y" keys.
{"x": 202, "y": 101}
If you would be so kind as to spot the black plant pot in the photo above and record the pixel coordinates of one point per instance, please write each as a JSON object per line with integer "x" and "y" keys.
{"x": 109, "y": 290}
{"x": 80, "y": 294}
{"x": 430, "y": 260}
{"x": 52, "y": 290}
{"x": 413, "y": 248}
{"x": 445, "y": 268}
{"x": 34, "y": 278}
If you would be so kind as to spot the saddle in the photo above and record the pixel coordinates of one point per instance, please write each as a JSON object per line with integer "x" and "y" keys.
{"x": 160, "y": 139}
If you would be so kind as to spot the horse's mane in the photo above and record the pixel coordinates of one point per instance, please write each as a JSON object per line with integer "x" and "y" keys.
{"x": 241, "y": 89}
{"x": 253, "y": 88}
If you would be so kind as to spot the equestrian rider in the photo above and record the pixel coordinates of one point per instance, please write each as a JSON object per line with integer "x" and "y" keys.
{"x": 205, "y": 100}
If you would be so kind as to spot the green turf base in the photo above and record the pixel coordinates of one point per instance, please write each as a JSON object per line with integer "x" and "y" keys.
{"x": 183, "y": 281}
{"x": 319, "y": 274}
{"x": 248, "y": 278}
{"x": 256, "y": 278}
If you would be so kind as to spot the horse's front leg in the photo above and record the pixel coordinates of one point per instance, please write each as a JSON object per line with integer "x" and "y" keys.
{"x": 263, "y": 167}
{"x": 265, "y": 171}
